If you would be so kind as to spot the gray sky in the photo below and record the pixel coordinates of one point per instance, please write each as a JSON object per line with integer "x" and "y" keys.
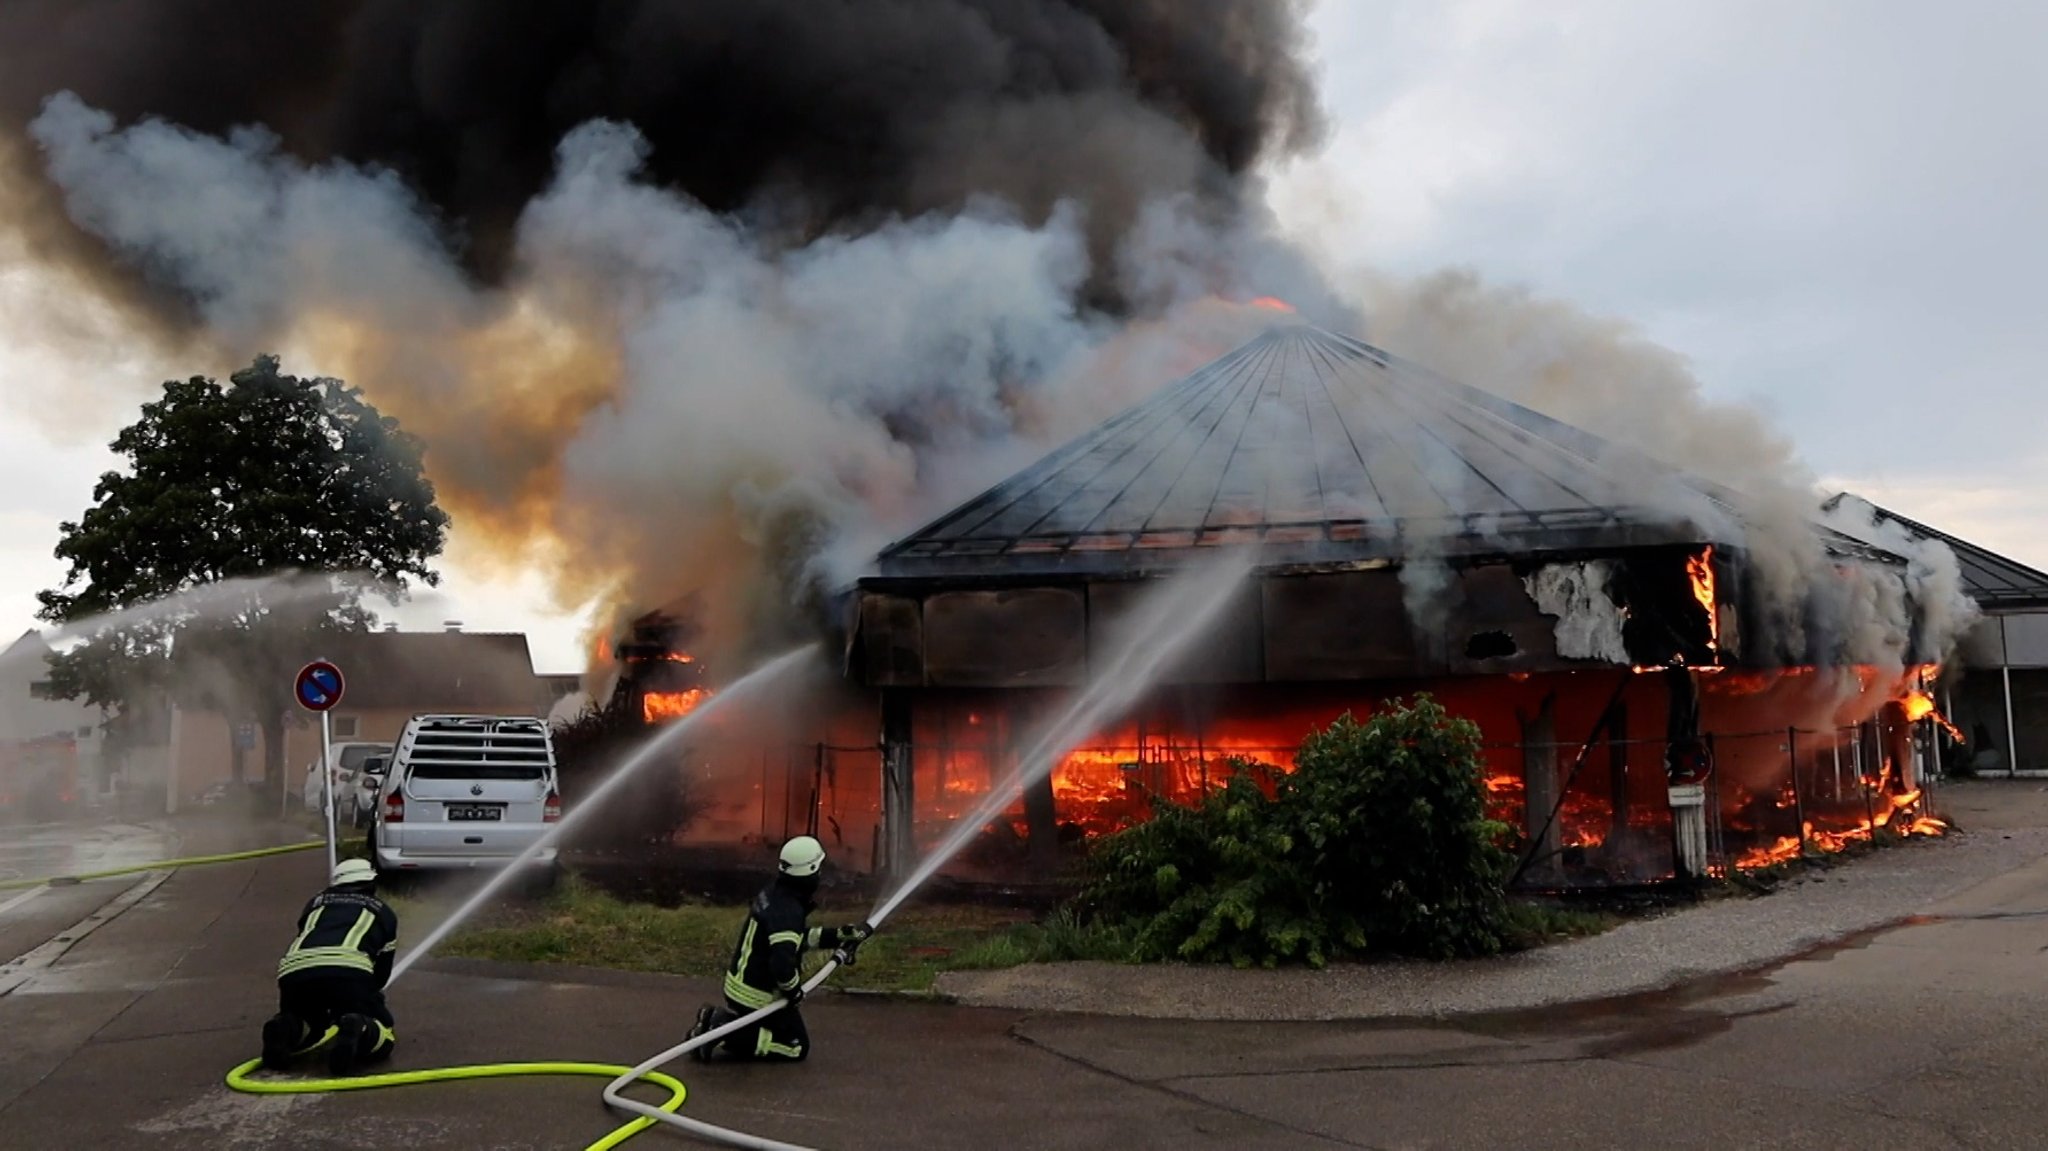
{"x": 1829, "y": 208}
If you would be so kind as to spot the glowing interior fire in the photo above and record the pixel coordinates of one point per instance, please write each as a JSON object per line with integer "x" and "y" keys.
{"x": 663, "y": 706}
{"x": 1103, "y": 790}
{"x": 1825, "y": 749}
{"x": 1272, "y": 304}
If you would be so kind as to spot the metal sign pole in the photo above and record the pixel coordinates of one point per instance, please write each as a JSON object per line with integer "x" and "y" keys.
{"x": 327, "y": 782}
{"x": 319, "y": 687}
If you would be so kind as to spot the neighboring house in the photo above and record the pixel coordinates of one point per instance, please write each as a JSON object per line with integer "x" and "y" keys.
{"x": 28, "y": 715}
{"x": 2001, "y": 700}
{"x": 391, "y": 676}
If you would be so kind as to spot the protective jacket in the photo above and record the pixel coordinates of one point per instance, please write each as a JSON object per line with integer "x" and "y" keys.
{"x": 343, "y": 930}
{"x": 766, "y": 963}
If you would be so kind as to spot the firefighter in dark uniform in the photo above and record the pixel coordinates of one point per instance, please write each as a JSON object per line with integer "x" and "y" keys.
{"x": 330, "y": 983}
{"x": 766, "y": 962}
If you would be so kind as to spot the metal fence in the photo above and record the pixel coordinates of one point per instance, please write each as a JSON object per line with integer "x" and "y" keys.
{"x": 1603, "y": 819}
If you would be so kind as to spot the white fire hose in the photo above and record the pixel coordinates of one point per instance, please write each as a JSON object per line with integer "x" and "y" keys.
{"x": 613, "y": 1092}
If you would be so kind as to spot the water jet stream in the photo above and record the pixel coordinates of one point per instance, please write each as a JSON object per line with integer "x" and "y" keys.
{"x": 738, "y": 690}
{"x": 1165, "y": 625}
{"x": 1163, "y": 628}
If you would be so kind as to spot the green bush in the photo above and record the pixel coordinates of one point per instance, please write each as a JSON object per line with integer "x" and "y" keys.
{"x": 1377, "y": 842}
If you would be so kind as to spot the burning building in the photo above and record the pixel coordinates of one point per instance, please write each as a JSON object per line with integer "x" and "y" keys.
{"x": 1656, "y": 700}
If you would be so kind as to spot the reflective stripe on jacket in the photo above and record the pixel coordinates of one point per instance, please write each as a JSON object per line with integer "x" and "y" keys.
{"x": 343, "y": 931}
{"x": 765, "y": 963}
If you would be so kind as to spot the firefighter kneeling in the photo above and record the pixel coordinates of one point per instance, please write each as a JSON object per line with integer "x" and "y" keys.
{"x": 330, "y": 983}
{"x": 766, "y": 963}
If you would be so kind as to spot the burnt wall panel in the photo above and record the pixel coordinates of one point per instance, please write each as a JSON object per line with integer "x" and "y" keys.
{"x": 1335, "y": 626}
{"x": 1493, "y": 626}
{"x": 1229, "y": 652}
{"x": 891, "y": 641}
{"x": 1027, "y": 637}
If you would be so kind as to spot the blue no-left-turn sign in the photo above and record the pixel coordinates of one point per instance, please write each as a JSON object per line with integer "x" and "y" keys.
{"x": 318, "y": 686}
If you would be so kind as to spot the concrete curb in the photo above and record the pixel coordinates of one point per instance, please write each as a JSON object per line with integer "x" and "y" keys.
{"x": 23, "y": 970}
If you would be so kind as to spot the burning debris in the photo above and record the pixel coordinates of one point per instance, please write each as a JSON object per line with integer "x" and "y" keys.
{"x": 657, "y": 677}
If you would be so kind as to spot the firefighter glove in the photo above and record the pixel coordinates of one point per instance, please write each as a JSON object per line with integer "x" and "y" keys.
{"x": 793, "y": 995}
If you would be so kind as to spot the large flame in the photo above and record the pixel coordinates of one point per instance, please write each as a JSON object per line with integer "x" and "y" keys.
{"x": 1272, "y": 304}
{"x": 1700, "y": 570}
{"x": 663, "y": 706}
{"x": 1920, "y": 705}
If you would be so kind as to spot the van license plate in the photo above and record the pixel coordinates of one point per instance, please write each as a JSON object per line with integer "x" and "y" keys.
{"x": 473, "y": 812}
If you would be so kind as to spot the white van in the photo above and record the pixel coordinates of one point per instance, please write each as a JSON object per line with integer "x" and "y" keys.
{"x": 466, "y": 791}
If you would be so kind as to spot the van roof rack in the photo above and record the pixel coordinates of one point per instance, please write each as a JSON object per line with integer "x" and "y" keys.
{"x": 476, "y": 741}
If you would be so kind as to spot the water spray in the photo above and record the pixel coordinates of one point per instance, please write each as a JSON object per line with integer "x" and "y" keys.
{"x": 1163, "y": 630}
{"x": 740, "y": 689}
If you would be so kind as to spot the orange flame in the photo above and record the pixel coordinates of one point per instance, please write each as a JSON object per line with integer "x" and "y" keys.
{"x": 1272, "y": 304}
{"x": 662, "y": 706}
{"x": 1919, "y": 705}
{"x": 1700, "y": 569}
{"x": 1790, "y": 847}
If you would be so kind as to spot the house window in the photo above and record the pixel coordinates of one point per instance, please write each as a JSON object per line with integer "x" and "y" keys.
{"x": 344, "y": 727}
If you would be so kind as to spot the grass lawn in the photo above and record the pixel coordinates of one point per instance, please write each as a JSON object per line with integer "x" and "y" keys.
{"x": 579, "y": 924}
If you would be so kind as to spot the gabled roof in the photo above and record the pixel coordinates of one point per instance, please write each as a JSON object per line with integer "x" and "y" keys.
{"x": 1990, "y": 579}
{"x": 1321, "y": 449}
{"x": 437, "y": 671}
{"x": 30, "y": 641}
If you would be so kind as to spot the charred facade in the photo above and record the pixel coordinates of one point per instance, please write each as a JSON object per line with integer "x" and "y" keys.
{"x": 1585, "y": 605}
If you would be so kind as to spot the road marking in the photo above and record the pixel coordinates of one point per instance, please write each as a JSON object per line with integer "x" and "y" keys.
{"x": 24, "y": 969}
{"x": 24, "y": 897}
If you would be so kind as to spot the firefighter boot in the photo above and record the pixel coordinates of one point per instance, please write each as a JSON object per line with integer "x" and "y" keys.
{"x": 284, "y": 1039}
{"x": 354, "y": 1036}
{"x": 707, "y": 1019}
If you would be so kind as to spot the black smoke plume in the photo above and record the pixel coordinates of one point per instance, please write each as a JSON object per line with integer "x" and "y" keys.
{"x": 802, "y": 116}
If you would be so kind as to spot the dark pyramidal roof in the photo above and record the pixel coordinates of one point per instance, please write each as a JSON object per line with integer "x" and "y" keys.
{"x": 1990, "y": 579}
{"x": 1323, "y": 450}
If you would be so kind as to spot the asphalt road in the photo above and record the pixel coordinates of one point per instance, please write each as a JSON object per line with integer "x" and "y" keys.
{"x": 1922, "y": 1036}
{"x": 31, "y": 916}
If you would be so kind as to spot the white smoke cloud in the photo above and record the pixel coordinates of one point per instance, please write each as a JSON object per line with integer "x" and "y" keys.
{"x": 672, "y": 403}
{"x": 1601, "y": 375}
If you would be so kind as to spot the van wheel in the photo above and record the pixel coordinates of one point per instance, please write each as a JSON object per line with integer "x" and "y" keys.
{"x": 543, "y": 885}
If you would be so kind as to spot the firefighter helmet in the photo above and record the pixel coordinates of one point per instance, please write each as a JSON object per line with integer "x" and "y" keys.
{"x": 802, "y": 857}
{"x": 354, "y": 871}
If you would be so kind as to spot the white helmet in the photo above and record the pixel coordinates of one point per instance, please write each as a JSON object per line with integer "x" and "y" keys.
{"x": 802, "y": 857}
{"x": 354, "y": 871}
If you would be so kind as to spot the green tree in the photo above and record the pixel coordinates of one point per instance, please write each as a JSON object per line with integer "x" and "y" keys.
{"x": 250, "y": 524}
{"x": 1378, "y": 841}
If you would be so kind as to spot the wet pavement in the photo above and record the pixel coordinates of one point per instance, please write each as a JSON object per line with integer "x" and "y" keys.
{"x": 1924, "y": 1035}
{"x": 30, "y": 916}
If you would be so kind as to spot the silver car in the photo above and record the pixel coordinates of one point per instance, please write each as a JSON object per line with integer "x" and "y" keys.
{"x": 466, "y": 791}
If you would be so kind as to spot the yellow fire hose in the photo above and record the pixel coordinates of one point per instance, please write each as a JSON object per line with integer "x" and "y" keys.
{"x": 240, "y": 1080}
{"x": 159, "y": 865}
